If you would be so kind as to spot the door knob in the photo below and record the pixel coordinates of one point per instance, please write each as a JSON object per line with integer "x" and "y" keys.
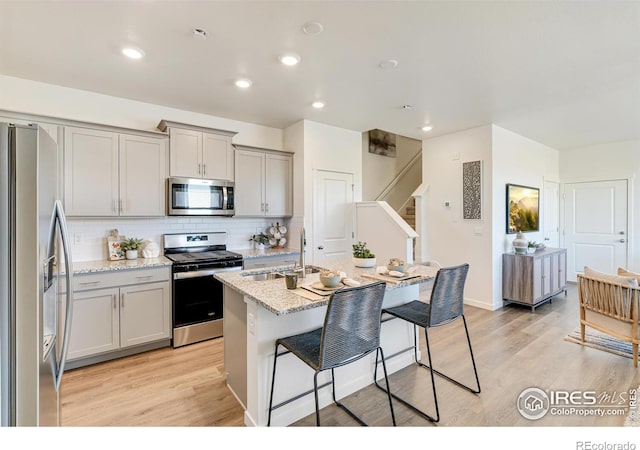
{"x": 622, "y": 240}
{"x": 320, "y": 247}
{"x": 621, "y": 232}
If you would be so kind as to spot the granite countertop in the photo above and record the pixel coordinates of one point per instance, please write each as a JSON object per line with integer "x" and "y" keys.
{"x": 83, "y": 267}
{"x": 248, "y": 253}
{"x": 276, "y": 298}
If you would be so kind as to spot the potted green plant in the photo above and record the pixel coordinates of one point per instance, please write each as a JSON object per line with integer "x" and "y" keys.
{"x": 531, "y": 247}
{"x": 260, "y": 240}
{"x": 131, "y": 247}
{"x": 362, "y": 256}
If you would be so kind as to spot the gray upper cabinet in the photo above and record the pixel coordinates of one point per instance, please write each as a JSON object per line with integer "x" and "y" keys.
{"x": 264, "y": 182}
{"x": 114, "y": 174}
{"x": 199, "y": 152}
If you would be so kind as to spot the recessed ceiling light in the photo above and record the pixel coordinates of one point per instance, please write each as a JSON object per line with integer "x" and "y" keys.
{"x": 289, "y": 59}
{"x": 407, "y": 106}
{"x": 318, "y": 105}
{"x": 132, "y": 52}
{"x": 199, "y": 33}
{"x": 312, "y": 28}
{"x": 427, "y": 128}
{"x": 388, "y": 64}
{"x": 243, "y": 83}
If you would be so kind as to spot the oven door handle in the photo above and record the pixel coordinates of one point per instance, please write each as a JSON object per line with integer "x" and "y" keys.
{"x": 203, "y": 273}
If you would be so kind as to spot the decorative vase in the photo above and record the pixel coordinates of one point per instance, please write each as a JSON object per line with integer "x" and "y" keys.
{"x": 132, "y": 254}
{"x": 520, "y": 244}
{"x": 364, "y": 262}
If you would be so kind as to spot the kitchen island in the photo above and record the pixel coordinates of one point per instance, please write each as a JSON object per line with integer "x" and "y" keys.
{"x": 256, "y": 313}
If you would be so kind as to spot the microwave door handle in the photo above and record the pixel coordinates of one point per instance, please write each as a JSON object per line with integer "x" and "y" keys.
{"x": 225, "y": 197}
{"x": 64, "y": 233}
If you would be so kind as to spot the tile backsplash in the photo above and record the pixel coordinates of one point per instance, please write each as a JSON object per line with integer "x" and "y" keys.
{"x": 89, "y": 236}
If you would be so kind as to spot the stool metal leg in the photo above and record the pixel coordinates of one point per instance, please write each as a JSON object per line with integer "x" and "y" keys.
{"x": 273, "y": 382}
{"x": 315, "y": 393}
{"x": 475, "y": 371}
{"x": 433, "y": 371}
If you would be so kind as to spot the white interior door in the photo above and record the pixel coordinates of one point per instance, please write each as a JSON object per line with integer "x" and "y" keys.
{"x": 551, "y": 214}
{"x": 333, "y": 215}
{"x": 595, "y": 226}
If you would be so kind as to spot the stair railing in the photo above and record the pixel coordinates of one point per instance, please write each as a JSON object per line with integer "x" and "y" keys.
{"x": 399, "y": 176}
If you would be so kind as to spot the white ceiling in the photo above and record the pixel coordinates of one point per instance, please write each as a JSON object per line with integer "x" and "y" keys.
{"x": 566, "y": 74}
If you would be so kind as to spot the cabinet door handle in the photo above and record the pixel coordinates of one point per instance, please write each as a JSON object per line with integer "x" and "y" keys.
{"x": 622, "y": 241}
{"x": 146, "y": 277}
{"x": 320, "y": 247}
{"x": 89, "y": 283}
{"x": 262, "y": 207}
{"x": 266, "y": 207}
{"x": 121, "y": 206}
{"x": 199, "y": 166}
{"x": 114, "y": 207}
{"x": 114, "y": 301}
{"x": 204, "y": 169}
{"x": 122, "y": 300}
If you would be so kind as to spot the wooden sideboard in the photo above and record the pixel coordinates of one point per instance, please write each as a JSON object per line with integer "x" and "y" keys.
{"x": 534, "y": 278}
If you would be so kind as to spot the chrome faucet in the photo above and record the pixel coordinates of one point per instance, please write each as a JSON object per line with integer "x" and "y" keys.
{"x": 303, "y": 244}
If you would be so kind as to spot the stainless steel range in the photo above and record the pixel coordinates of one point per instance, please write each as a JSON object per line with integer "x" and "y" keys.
{"x": 197, "y": 295}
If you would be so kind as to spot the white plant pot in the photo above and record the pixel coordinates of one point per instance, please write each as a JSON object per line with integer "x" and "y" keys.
{"x": 132, "y": 254}
{"x": 364, "y": 262}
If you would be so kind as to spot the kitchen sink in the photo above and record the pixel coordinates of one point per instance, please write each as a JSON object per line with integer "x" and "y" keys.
{"x": 263, "y": 276}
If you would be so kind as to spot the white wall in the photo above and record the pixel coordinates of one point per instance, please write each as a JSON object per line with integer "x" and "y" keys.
{"x": 33, "y": 97}
{"x": 378, "y": 171}
{"x": 519, "y": 160}
{"x": 320, "y": 147}
{"x": 612, "y": 161}
{"x": 451, "y": 240}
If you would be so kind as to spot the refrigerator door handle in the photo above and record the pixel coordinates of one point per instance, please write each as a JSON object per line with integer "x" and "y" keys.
{"x": 64, "y": 232}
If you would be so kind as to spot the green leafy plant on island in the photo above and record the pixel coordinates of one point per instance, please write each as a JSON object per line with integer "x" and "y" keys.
{"x": 360, "y": 250}
{"x": 532, "y": 244}
{"x": 131, "y": 244}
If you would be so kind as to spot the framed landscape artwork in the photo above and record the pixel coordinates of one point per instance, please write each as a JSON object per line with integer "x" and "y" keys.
{"x": 523, "y": 208}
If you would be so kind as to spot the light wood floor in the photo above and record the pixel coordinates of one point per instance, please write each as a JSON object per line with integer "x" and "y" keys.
{"x": 514, "y": 349}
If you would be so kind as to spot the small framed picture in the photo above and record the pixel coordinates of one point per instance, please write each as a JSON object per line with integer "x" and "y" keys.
{"x": 114, "y": 249}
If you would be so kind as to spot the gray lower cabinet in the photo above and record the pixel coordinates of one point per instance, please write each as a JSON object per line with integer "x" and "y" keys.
{"x": 118, "y": 313}
{"x": 533, "y": 279}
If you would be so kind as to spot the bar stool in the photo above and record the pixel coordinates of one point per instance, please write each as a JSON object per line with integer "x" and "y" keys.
{"x": 446, "y": 305}
{"x": 350, "y": 332}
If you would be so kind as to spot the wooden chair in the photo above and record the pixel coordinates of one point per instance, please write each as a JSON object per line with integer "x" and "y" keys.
{"x": 610, "y": 306}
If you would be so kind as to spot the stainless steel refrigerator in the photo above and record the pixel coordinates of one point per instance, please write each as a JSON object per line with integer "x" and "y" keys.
{"x": 35, "y": 269}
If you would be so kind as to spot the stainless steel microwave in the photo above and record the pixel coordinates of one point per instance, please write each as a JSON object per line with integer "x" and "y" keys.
{"x": 197, "y": 197}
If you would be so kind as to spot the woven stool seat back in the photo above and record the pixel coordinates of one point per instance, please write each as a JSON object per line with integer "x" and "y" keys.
{"x": 352, "y": 324}
{"x": 447, "y": 296}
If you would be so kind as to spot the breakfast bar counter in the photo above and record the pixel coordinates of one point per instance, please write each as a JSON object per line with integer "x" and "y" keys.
{"x": 259, "y": 311}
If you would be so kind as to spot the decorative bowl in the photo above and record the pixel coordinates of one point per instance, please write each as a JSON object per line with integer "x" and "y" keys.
{"x": 330, "y": 281}
{"x": 396, "y": 264}
{"x": 364, "y": 262}
{"x": 391, "y": 267}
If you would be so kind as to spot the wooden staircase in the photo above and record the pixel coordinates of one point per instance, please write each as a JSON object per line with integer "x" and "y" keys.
{"x": 410, "y": 214}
